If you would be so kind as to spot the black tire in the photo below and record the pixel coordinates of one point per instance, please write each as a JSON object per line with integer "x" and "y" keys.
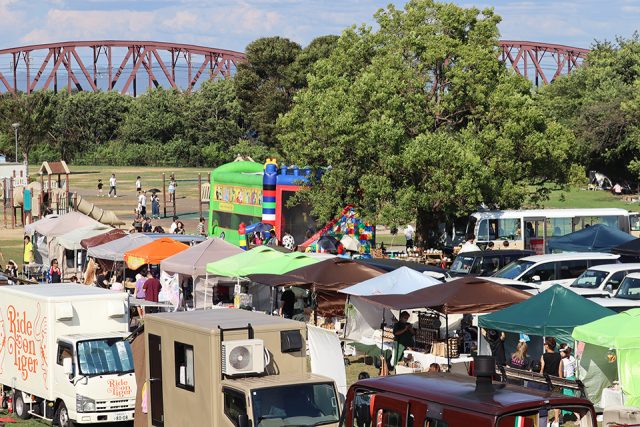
{"x": 62, "y": 416}
{"x": 19, "y": 406}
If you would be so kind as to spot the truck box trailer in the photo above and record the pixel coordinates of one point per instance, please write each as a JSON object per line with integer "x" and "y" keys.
{"x": 229, "y": 367}
{"x": 63, "y": 355}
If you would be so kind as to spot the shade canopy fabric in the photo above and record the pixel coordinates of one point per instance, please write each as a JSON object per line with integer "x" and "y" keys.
{"x": 113, "y": 234}
{"x": 63, "y": 224}
{"x": 193, "y": 261}
{"x": 630, "y": 248}
{"x": 114, "y": 250}
{"x": 619, "y": 331}
{"x": 390, "y": 264}
{"x": 326, "y": 278}
{"x": 153, "y": 253}
{"x": 598, "y": 238}
{"x": 464, "y": 295}
{"x": 37, "y": 225}
{"x": 554, "y": 312}
{"x": 72, "y": 239}
{"x": 232, "y": 266}
{"x": 401, "y": 281}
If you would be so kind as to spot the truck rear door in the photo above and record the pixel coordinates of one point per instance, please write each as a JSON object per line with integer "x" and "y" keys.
{"x": 389, "y": 410}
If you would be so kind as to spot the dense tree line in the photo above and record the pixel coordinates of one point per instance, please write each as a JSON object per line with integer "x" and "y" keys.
{"x": 417, "y": 118}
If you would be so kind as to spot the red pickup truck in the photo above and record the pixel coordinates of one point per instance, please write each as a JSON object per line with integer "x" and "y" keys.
{"x": 449, "y": 400}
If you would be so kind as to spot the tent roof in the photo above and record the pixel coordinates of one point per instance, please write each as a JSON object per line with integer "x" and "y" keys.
{"x": 400, "y": 281}
{"x": 464, "y": 295}
{"x": 153, "y": 253}
{"x": 115, "y": 249}
{"x": 630, "y": 248}
{"x": 31, "y": 228}
{"x": 554, "y": 312}
{"x": 390, "y": 264}
{"x": 113, "y": 234}
{"x": 193, "y": 261}
{"x": 54, "y": 168}
{"x": 260, "y": 260}
{"x": 620, "y": 331}
{"x": 598, "y": 237}
{"x": 63, "y": 224}
{"x": 71, "y": 240}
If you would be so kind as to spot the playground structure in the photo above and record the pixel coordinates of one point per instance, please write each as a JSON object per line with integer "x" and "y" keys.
{"x": 247, "y": 192}
{"x": 25, "y": 201}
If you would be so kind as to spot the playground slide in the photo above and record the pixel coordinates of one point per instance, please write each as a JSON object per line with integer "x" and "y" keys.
{"x": 326, "y": 228}
{"x": 90, "y": 209}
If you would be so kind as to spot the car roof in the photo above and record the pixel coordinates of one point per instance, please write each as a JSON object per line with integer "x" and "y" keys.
{"x": 633, "y": 276}
{"x": 611, "y": 268}
{"x": 568, "y": 256}
{"x": 460, "y": 391}
{"x": 497, "y": 252}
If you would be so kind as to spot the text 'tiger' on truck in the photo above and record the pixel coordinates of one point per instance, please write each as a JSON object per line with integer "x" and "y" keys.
{"x": 229, "y": 367}
{"x": 63, "y": 355}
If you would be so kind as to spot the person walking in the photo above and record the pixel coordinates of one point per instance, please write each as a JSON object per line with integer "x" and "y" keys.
{"x": 155, "y": 206}
{"x": 152, "y": 289}
{"x": 100, "y": 185}
{"x": 138, "y": 184}
{"x": 112, "y": 185}
{"x": 172, "y": 189}
{"x": 551, "y": 364}
{"x": 142, "y": 202}
{"x": 409, "y": 234}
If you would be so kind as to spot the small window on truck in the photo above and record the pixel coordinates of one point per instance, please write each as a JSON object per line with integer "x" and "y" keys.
{"x": 578, "y": 416}
{"x": 184, "y": 366}
{"x": 430, "y": 422}
{"x": 64, "y": 351}
{"x": 389, "y": 418}
{"x": 235, "y": 404}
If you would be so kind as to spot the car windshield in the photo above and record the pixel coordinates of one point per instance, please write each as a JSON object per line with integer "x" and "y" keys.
{"x": 514, "y": 269}
{"x": 542, "y": 416}
{"x": 591, "y": 279}
{"x": 629, "y": 288}
{"x": 105, "y": 356}
{"x": 462, "y": 264}
{"x": 295, "y": 405}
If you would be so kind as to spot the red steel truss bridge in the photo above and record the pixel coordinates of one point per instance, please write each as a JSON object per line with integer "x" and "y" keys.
{"x": 132, "y": 67}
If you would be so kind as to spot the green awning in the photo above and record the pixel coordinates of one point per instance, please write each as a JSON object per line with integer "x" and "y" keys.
{"x": 259, "y": 260}
{"x": 621, "y": 331}
{"x": 553, "y": 313}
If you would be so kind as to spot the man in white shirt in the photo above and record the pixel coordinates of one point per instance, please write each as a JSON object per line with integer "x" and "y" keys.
{"x": 112, "y": 185}
{"x": 409, "y": 234}
{"x": 174, "y": 225}
{"x": 142, "y": 202}
{"x": 138, "y": 184}
{"x": 469, "y": 245}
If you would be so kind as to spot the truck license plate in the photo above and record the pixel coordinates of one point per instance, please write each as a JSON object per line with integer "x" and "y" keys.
{"x": 120, "y": 417}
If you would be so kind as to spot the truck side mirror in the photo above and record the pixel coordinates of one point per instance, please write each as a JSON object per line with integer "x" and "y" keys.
{"x": 243, "y": 420}
{"x": 67, "y": 366}
{"x": 609, "y": 288}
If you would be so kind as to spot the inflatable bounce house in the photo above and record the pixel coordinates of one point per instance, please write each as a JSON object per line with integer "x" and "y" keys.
{"x": 250, "y": 193}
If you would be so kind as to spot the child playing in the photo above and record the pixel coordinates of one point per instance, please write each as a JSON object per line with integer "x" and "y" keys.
{"x": 100, "y": 188}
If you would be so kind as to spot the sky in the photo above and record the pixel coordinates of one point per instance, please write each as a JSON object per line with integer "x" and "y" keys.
{"x": 233, "y": 24}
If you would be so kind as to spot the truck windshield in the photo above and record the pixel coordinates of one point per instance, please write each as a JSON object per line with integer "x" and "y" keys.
{"x": 462, "y": 264}
{"x": 590, "y": 279}
{"x": 567, "y": 415}
{"x": 295, "y": 405}
{"x": 514, "y": 269}
{"x": 105, "y": 356}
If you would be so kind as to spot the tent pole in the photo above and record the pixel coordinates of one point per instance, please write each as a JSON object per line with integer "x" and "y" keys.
{"x": 446, "y": 321}
{"x": 206, "y": 284}
{"x": 346, "y": 318}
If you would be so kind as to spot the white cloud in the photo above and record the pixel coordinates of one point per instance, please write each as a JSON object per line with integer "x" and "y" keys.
{"x": 181, "y": 21}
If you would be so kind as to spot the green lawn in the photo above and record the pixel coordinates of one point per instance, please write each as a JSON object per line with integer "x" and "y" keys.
{"x": 581, "y": 198}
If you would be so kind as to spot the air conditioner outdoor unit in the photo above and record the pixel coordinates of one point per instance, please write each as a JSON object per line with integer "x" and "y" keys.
{"x": 242, "y": 357}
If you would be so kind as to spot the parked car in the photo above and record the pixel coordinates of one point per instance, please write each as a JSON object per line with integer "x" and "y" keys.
{"x": 484, "y": 263}
{"x": 627, "y": 296}
{"x": 602, "y": 280}
{"x": 544, "y": 270}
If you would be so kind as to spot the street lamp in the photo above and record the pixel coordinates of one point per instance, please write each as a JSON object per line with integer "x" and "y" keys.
{"x": 15, "y": 127}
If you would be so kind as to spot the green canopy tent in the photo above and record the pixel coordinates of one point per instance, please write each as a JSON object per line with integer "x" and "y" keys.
{"x": 552, "y": 313}
{"x": 622, "y": 333}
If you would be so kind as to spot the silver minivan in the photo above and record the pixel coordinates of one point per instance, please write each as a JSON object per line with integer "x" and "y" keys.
{"x": 602, "y": 280}
{"x": 543, "y": 270}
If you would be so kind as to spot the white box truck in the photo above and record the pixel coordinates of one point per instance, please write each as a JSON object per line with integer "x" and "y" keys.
{"x": 63, "y": 353}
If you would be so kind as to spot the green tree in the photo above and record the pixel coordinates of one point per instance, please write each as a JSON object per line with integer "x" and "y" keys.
{"x": 420, "y": 121}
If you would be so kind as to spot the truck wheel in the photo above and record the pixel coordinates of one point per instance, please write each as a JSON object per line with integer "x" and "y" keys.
{"x": 19, "y": 407}
{"x": 62, "y": 416}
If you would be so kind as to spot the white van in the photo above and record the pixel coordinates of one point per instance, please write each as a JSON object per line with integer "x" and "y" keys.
{"x": 627, "y": 296}
{"x": 543, "y": 270}
{"x": 602, "y": 280}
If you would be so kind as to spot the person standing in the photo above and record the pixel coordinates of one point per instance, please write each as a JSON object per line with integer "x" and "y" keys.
{"x": 100, "y": 185}
{"x": 202, "y": 229}
{"x": 155, "y": 206}
{"x": 569, "y": 366}
{"x": 495, "y": 340}
{"x": 551, "y": 364}
{"x": 288, "y": 299}
{"x": 403, "y": 332}
{"x": 469, "y": 245}
{"x": 152, "y": 289}
{"x": 409, "y": 234}
{"x": 174, "y": 225}
{"x": 138, "y": 184}
{"x": 172, "y": 189}
{"x": 142, "y": 202}
{"x": 112, "y": 185}
{"x": 28, "y": 251}
{"x": 55, "y": 275}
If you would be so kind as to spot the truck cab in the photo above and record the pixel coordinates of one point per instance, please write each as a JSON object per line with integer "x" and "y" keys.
{"x": 450, "y": 400}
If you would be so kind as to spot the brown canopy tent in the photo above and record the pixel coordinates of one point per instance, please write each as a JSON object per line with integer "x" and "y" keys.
{"x": 326, "y": 278}
{"x": 114, "y": 234}
{"x": 461, "y": 296}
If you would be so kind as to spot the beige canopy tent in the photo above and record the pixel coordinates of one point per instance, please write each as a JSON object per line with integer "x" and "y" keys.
{"x": 192, "y": 263}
